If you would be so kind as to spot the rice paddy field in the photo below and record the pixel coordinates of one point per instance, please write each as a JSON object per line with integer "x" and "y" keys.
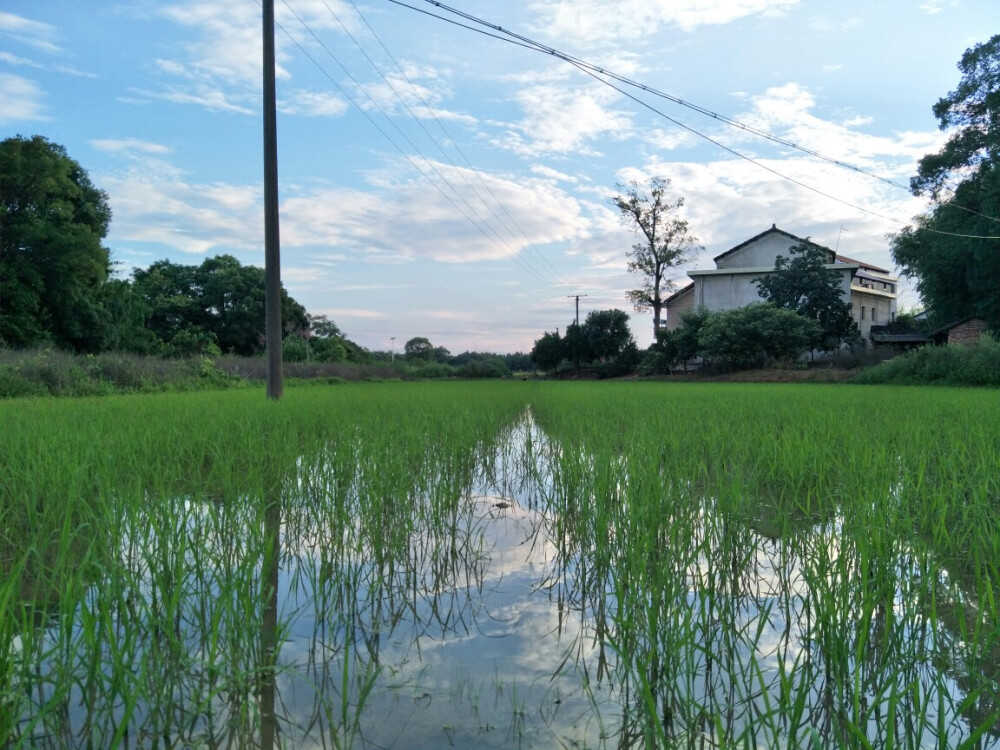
{"x": 508, "y": 564}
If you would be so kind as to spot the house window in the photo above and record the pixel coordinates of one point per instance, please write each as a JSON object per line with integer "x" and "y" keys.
{"x": 873, "y": 315}
{"x": 862, "y": 312}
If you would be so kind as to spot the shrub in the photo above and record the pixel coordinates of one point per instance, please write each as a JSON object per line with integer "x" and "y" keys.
{"x": 294, "y": 348}
{"x": 15, "y": 385}
{"x": 487, "y": 367}
{"x": 976, "y": 364}
{"x": 753, "y": 335}
{"x": 432, "y": 370}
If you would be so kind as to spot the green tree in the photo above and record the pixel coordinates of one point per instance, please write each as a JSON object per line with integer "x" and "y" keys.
{"x": 676, "y": 347}
{"x": 220, "y": 302}
{"x": 419, "y": 349}
{"x": 664, "y": 242}
{"x": 127, "y": 315}
{"x": 327, "y": 342}
{"x": 232, "y": 296}
{"x": 52, "y": 262}
{"x": 802, "y": 283}
{"x": 607, "y": 333}
{"x": 951, "y": 251}
{"x": 576, "y": 346}
{"x": 548, "y": 351}
{"x": 753, "y": 335}
{"x": 972, "y": 110}
{"x": 173, "y": 296}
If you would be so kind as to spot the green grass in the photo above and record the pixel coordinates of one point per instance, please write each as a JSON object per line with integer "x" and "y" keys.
{"x": 975, "y": 364}
{"x": 753, "y": 565}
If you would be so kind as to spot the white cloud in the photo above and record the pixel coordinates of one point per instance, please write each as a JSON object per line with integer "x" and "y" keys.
{"x": 12, "y": 59}
{"x": 153, "y": 202}
{"x": 597, "y": 22}
{"x": 553, "y": 174}
{"x": 22, "y": 100}
{"x": 129, "y": 145}
{"x": 75, "y": 72}
{"x": 787, "y": 111}
{"x": 220, "y": 65}
{"x": 936, "y": 6}
{"x": 560, "y": 120}
{"x": 34, "y": 33}
{"x": 312, "y": 104}
{"x": 354, "y": 313}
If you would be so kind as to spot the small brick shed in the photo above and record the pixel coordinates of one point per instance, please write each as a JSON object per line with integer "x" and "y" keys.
{"x": 963, "y": 331}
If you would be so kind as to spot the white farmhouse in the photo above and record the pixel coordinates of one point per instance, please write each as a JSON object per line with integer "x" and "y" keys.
{"x": 872, "y": 291}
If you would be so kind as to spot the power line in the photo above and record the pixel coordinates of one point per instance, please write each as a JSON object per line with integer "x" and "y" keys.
{"x": 430, "y": 110}
{"x": 477, "y": 222}
{"x": 606, "y": 76}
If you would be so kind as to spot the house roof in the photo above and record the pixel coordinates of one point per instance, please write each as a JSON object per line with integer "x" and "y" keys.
{"x": 800, "y": 240}
{"x": 955, "y": 323}
{"x": 774, "y": 229}
{"x": 764, "y": 269}
{"x": 679, "y": 293}
{"x": 866, "y": 266}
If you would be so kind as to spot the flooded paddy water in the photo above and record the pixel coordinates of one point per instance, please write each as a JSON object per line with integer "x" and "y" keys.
{"x": 569, "y": 567}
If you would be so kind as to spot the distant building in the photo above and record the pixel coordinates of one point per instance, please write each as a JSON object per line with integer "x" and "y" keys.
{"x": 871, "y": 291}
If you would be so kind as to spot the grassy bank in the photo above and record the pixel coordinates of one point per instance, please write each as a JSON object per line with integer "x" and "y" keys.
{"x": 49, "y": 372}
{"x": 975, "y": 364}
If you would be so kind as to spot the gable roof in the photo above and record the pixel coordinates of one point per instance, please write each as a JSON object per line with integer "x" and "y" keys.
{"x": 866, "y": 266}
{"x": 956, "y": 323}
{"x": 679, "y": 293}
{"x": 773, "y": 230}
{"x": 802, "y": 241}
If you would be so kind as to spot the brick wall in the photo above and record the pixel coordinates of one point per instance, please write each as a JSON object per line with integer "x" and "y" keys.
{"x": 967, "y": 332}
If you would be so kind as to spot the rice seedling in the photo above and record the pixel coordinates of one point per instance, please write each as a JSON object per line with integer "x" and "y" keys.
{"x": 585, "y": 565}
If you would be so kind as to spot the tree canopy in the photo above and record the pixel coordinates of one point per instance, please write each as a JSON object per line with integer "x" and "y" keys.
{"x": 665, "y": 241}
{"x": 220, "y": 303}
{"x": 52, "y": 260}
{"x": 752, "y": 335}
{"x": 802, "y": 283}
{"x": 603, "y": 339}
{"x": 953, "y": 251}
{"x": 419, "y": 348}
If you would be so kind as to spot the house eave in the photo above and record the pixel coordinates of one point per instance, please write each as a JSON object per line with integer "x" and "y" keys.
{"x": 853, "y": 267}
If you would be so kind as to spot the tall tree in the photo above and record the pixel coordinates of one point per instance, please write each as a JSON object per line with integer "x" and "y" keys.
{"x": 548, "y": 351}
{"x": 952, "y": 252}
{"x": 220, "y": 302}
{"x": 664, "y": 242}
{"x": 419, "y": 348}
{"x": 52, "y": 262}
{"x": 802, "y": 283}
{"x": 607, "y": 333}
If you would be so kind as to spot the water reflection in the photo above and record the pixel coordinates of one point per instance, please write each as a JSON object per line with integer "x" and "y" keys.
{"x": 519, "y": 592}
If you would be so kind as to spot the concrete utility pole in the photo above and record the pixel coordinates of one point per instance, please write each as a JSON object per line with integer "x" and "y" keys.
{"x": 272, "y": 245}
{"x": 577, "y": 298}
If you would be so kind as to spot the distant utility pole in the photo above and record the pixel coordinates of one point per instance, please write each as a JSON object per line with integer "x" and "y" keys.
{"x": 392, "y": 347}
{"x": 272, "y": 245}
{"x": 577, "y": 298}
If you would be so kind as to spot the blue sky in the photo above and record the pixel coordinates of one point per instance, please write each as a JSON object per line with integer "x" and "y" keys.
{"x": 438, "y": 182}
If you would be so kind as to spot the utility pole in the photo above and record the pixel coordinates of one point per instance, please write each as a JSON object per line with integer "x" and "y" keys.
{"x": 272, "y": 245}
{"x": 577, "y": 298}
{"x": 392, "y": 347}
